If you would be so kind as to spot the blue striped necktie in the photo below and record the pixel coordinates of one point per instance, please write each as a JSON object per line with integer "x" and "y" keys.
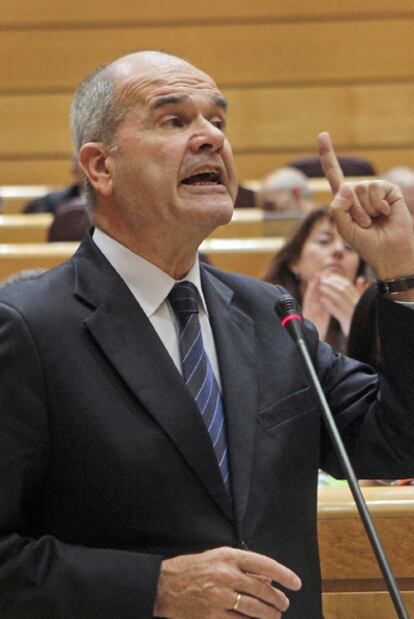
{"x": 198, "y": 373}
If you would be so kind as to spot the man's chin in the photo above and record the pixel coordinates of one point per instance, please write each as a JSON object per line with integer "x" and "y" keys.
{"x": 220, "y": 214}
{"x": 215, "y": 209}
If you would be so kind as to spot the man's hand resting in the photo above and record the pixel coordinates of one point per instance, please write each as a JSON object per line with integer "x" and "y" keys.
{"x": 207, "y": 585}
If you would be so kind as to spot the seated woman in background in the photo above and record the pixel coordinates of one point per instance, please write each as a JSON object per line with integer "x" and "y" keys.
{"x": 323, "y": 273}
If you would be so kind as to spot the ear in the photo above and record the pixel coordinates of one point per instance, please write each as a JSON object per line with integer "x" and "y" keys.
{"x": 95, "y": 159}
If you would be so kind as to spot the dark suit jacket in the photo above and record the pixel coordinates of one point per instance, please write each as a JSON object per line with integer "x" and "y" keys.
{"x": 106, "y": 466}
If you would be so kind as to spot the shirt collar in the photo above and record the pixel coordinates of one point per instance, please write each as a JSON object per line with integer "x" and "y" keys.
{"x": 149, "y": 284}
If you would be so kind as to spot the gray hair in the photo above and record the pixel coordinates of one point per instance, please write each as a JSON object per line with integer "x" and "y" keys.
{"x": 95, "y": 115}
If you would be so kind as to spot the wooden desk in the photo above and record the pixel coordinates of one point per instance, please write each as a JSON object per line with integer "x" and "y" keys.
{"x": 352, "y": 582}
{"x": 254, "y": 222}
{"x": 22, "y": 256}
{"x": 246, "y": 223}
{"x": 14, "y": 197}
{"x": 25, "y": 228}
{"x": 248, "y": 256}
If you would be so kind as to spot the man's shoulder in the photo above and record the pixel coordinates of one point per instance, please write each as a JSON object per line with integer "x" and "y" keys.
{"x": 37, "y": 293}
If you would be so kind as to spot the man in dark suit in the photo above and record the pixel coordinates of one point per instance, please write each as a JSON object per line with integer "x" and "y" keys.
{"x": 114, "y": 498}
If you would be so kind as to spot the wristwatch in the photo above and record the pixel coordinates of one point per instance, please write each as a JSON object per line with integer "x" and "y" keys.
{"x": 393, "y": 286}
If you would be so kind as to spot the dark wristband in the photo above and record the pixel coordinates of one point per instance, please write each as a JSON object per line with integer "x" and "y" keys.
{"x": 393, "y": 286}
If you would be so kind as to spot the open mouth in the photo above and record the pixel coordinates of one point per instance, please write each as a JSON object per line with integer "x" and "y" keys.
{"x": 203, "y": 178}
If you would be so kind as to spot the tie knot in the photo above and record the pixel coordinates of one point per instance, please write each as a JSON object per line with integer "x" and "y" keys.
{"x": 184, "y": 299}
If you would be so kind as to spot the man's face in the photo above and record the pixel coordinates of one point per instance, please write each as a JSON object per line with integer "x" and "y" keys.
{"x": 172, "y": 164}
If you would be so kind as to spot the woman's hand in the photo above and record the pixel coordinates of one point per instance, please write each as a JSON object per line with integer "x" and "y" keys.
{"x": 313, "y": 308}
{"x": 338, "y": 297}
{"x": 331, "y": 295}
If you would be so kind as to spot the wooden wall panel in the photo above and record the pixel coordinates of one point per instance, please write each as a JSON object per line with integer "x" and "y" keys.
{"x": 290, "y": 69}
{"x": 24, "y": 12}
{"x": 275, "y": 53}
{"x": 251, "y": 166}
{"x": 49, "y": 171}
{"x": 265, "y": 118}
{"x": 260, "y": 119}
{"x": 35, "y": 125}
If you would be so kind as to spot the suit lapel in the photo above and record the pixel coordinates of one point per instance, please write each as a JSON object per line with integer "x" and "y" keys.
{"x": 127, "y": 338}
{"x": 234, "y": 336}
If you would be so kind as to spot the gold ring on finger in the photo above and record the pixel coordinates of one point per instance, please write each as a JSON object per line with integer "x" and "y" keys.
{"x": 237, "y": 602}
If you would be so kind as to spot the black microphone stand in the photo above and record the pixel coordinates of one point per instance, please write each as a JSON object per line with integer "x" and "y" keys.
{"x": 287, "y": 309}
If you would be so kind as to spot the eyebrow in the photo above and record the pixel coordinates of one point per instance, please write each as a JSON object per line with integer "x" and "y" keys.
{"x": 218, "y": 100}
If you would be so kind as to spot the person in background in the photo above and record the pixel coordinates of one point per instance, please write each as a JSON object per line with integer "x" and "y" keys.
{"x": 324, "y": 273}
{"x": 404, "y": 178}
{"x": 285, "y": 189}
{"x": 53, "y": 200}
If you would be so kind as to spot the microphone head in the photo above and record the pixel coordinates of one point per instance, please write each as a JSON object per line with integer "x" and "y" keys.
{"x": 287, "y": 308}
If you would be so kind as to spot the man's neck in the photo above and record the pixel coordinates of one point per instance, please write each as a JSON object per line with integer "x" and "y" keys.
{"x": 175, "y": 260}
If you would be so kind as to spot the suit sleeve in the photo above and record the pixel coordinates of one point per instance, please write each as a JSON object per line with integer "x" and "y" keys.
{"x": 42, "y": 576}
{"x": 374, "y": 413}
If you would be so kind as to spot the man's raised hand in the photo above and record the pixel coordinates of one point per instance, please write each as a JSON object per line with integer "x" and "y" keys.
{"x": 372, "y": 216}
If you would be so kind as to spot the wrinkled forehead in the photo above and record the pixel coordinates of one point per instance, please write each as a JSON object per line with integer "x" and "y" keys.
{"x": 143, "y": 80}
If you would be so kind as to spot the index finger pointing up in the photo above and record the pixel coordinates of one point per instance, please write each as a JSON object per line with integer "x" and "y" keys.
{"x": 329, "y": 162}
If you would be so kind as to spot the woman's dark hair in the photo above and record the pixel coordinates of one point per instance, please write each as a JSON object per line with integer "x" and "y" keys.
{"x": 279, "y": 271}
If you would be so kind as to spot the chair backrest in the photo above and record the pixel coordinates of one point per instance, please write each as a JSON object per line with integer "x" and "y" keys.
{"x": 246, "y": 198}
{"x": 71, "y": 221}
{"x": 350, "y": 165}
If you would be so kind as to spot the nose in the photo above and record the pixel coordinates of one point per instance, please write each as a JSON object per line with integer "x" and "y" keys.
{"x": 338, "y": 248}
{"x": 207, "y": 137}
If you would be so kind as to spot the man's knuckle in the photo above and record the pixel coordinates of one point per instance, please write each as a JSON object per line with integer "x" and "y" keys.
{"x": 224, "y": 576}
{"x": 223, "y": 553}
{"x": 212, "y": 593}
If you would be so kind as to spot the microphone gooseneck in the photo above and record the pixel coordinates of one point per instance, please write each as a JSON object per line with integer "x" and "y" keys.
{"x": 291, "y": 319}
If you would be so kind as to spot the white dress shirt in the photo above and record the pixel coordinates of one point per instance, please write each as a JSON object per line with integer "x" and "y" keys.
{"x": 151, "y": 286}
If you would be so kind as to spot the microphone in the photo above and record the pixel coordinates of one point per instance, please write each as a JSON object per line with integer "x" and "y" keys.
{"x": 291, "y": 319}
